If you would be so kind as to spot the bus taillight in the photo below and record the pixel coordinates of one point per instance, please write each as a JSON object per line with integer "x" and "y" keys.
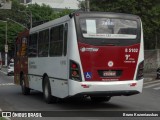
{"x": 140, "y": 71}
{"x": 75, "y": 73}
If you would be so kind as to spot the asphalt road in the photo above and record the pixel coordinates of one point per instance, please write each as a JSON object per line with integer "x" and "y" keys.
{"x": 11, "y": 99}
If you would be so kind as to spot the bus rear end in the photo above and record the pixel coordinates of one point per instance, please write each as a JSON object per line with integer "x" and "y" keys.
{"x": 107, "y": 57}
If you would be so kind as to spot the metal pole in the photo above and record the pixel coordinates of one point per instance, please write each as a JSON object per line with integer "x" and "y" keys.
{"x": 87, "y": 5}
{"x": 6, "y": 52}
{"x": 30, "y": 19}
{"x": 17, "y": 23}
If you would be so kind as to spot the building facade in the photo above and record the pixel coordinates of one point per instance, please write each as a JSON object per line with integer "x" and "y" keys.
{"x": 55, "y": 4}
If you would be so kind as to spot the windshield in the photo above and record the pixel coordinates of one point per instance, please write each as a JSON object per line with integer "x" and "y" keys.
{"x": 108, "y": 28}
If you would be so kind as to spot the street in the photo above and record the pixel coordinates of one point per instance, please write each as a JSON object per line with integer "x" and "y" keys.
{"x": 11, "y": 99}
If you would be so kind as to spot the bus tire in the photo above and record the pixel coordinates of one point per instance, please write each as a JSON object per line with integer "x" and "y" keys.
{"x": 100, "y": 99}
{"x": 25, "y": 90}
{"x": 47, "y": 90}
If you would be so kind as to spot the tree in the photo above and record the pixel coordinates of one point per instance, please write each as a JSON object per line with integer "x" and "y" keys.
{"x": 39, "y": 13}
{"x": 12, "y": 28}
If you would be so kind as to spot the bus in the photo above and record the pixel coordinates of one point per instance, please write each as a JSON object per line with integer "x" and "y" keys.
{"x": 96, "y": 55}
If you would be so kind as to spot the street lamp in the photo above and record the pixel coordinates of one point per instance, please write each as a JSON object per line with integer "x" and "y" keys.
{"x": 87, "y": 5}
{"x": 29, "y": 15}
{"x": 17, "y": 23}
{"x": 6, "y": 45}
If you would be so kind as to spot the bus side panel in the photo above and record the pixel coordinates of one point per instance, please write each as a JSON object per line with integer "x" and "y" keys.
{"x": 56, "y": 70}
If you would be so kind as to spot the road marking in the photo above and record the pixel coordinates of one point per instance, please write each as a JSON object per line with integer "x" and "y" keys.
{"x": 152, "y": 82}
{"x": 6, "y": 84}
{"x": 157, "y": 88}
{"x": 148, "y": 86}
{"x": 3, "y": 72}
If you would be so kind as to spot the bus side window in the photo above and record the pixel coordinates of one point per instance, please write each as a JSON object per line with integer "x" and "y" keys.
{"x": 65, "y": 38}
{"x": 43, "y": 43}
{"x": 56, "y": 41}
{"x": 32, "y": 47}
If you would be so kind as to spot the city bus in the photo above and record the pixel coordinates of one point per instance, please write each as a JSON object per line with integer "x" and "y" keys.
{"x": 96, "y": 55}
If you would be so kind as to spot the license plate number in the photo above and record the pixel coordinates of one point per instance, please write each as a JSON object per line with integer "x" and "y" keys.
{"x": 109, "y": 73}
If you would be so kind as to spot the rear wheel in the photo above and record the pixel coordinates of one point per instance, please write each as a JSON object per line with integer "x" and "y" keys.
{"x": 47, "y": 91}
{"x": 100, "y": 99}
{"x": 25, "y": 90}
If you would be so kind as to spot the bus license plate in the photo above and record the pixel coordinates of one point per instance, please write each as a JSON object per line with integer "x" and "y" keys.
{"x": 109, "y": 73}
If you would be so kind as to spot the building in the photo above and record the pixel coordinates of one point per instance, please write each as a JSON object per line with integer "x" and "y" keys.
{"x": 55, "y": 4}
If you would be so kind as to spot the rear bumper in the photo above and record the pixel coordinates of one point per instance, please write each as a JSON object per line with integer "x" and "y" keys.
{"x": 116, "y": 88}
{"x": 109, "y": 93}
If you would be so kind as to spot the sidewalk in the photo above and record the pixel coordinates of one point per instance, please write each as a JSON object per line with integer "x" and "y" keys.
{"x": 150, "y": 76}
{"x": 4, "y": 70}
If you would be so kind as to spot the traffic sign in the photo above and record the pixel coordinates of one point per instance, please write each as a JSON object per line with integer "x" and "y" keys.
{"x": 6, "y": 48}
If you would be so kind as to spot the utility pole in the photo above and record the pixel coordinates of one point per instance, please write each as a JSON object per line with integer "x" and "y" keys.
{"x": 6, "y": 49}
{"x": 87, "y": 5}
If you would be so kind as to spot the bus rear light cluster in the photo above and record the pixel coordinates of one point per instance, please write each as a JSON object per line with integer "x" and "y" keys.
{"x": 140, "y": 71}
{"x": 75, "y": 73}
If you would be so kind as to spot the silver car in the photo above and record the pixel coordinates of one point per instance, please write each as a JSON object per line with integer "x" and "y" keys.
{"x": 10, "y": 69}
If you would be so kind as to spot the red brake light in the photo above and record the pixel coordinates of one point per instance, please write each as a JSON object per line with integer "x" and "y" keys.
{"x": 75, "y": 71}
{"x": 74, "y": 65}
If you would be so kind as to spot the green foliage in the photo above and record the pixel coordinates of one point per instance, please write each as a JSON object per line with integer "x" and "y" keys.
{"x": 148, "y": 10}
{"x": 39, "y": 13}
{"x": 12, "y": 28}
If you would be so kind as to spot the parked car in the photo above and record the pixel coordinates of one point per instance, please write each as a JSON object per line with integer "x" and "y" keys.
{"x": 10, "y": 69}
{"x": 158, "y": 73}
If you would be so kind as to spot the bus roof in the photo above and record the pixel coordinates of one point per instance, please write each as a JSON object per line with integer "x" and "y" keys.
{"x": 83, "y": 13}
{"x": 50, "y": 24}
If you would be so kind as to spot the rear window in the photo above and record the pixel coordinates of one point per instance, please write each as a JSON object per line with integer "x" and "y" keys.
{"x": 108, "y": 28}
{"x": 11, "y": 65}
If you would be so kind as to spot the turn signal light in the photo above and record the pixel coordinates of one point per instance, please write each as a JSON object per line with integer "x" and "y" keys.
{"x": 75, "y": 73}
